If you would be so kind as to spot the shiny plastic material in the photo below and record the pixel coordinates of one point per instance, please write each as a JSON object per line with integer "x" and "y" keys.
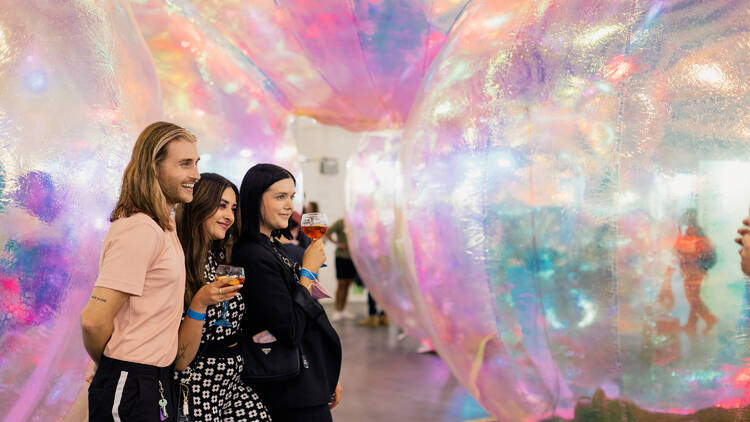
{"x": 371, "y": 180}
{"x": 215, "y": 94}
{"x": 353, "y": 64}
{"x": 573, "y": 175}
{"x": 77, "y": 85}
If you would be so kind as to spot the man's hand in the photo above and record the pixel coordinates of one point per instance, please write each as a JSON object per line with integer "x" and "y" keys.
{"x": 90, "y": 371}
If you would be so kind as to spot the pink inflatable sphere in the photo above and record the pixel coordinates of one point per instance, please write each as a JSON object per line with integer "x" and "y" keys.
{"x": 573, "y": 173}
{"x": 215, "y": 95}
{"x": 371, "y": 182}
{"x": 77, "y": 85}
{"x": 352, "y": 64}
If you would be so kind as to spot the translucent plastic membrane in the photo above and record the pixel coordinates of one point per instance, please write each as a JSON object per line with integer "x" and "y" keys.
{"x": 77, "y": 84}
{"x": 573, "y": 174}
{"x": 353, "y": 64}
{"x": 372, "y": 177}
{"x": 215, "y": 94}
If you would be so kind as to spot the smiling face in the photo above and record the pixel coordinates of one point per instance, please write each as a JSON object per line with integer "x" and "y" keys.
{"x": 177, "y": 172}
{"x": 222, "y": 219}
{"x": 276, "y": 206}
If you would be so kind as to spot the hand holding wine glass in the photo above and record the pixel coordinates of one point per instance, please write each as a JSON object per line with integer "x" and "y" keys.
{"x": 213, "y": 293}
{"x": 232, "y": 278}
{"x": 315, "y": 256}
{"x": 314, "y": 225}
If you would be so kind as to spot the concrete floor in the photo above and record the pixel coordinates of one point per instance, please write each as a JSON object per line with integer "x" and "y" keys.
{"x": 384, "y": 379}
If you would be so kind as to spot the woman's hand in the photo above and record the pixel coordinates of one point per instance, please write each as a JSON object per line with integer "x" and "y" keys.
{"x": 745, "y": 254}
{"x": 744, "y": 241}
{"x": 743, "y": 231}
{"x": 213, "y": 293}
{"x": 336, "y": 396}
{"x": 314, "y": 256}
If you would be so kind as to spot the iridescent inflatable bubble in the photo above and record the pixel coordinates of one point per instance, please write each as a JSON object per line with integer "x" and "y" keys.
{"x": 353, "y": 64}
{"x": 215, "y": 94}
{"x": 371, "y": 181}
{"x": 573, "y": 174}
{"x": 76, "y": 86}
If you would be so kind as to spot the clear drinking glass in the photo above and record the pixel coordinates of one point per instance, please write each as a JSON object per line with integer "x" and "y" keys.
{"x": 314, "y": 225}
{"x": 232, "y": 276}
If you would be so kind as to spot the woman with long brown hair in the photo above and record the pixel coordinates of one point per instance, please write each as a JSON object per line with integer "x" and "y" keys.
{"x": 208, "y": 361}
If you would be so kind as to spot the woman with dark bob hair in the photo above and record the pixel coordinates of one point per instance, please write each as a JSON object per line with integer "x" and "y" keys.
{"x": 209, "y": 362}
{"x": 278, "y": 299}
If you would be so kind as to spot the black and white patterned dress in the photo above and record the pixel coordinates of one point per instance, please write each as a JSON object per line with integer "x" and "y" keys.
{"x": 215, "y": 390}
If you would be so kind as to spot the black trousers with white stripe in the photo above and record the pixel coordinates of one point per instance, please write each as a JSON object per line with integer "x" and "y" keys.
{"x": 129, "y": 392}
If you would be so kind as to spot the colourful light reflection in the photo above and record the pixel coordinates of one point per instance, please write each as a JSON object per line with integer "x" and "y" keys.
{"x": 77, "y": 85}
{"x": 547, "y": 195}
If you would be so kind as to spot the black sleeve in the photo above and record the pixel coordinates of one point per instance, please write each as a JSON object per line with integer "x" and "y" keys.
{"x": 269, "y": 300}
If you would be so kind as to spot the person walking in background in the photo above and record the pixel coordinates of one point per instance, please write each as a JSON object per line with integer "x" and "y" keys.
{"x": 209, "y": 361}
{"x": 696, "y": 255}
{"x": 374, "y": 317}
{"x": 345, "y": 270}
{"x": 131, "y": 320}
{"x": 279, "y": 304}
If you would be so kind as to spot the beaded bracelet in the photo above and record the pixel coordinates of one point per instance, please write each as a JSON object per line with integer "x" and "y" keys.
{"x": 196, "y": 315}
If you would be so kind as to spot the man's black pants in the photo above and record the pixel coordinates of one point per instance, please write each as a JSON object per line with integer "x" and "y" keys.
{"x": 129, "y": 392}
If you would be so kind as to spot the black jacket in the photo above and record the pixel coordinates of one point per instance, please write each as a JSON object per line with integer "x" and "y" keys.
{"x": 275, "y": 302}
{"x": 295, "y": 252}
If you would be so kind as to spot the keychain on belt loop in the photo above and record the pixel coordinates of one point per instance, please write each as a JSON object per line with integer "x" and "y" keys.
{"x": 162, "y": 403}
{"x": 184, "y": 416}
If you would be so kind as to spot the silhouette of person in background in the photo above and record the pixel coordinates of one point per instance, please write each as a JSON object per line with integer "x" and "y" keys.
{"x": 309, "y": 207}
{"x": 346, "y": 272}
{"x": 295, "y": 247}
{"x": 696, "y": 255}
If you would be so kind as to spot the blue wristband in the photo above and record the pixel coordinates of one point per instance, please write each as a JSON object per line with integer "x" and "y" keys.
{"x": 304, "y": 272}
{"x": 196, "y": 315}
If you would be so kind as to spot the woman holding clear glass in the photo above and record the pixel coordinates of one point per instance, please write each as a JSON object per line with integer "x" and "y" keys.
{"x": 208, "y": 361}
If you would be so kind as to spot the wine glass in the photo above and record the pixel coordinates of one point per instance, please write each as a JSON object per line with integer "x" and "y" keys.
{"x": 314, "y": 225}
{"x": 232, "y": 276}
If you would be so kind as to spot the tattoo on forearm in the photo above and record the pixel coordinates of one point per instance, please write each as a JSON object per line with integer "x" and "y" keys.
{"x": 181, "y": 350}
{"x": 100, "y": 299}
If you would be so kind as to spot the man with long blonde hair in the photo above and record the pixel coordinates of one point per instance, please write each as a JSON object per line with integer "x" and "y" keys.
{"x": 131, "y": 320}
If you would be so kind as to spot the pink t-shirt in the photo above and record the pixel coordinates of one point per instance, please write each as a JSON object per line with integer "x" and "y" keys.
{"x": 141, "y": 259}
